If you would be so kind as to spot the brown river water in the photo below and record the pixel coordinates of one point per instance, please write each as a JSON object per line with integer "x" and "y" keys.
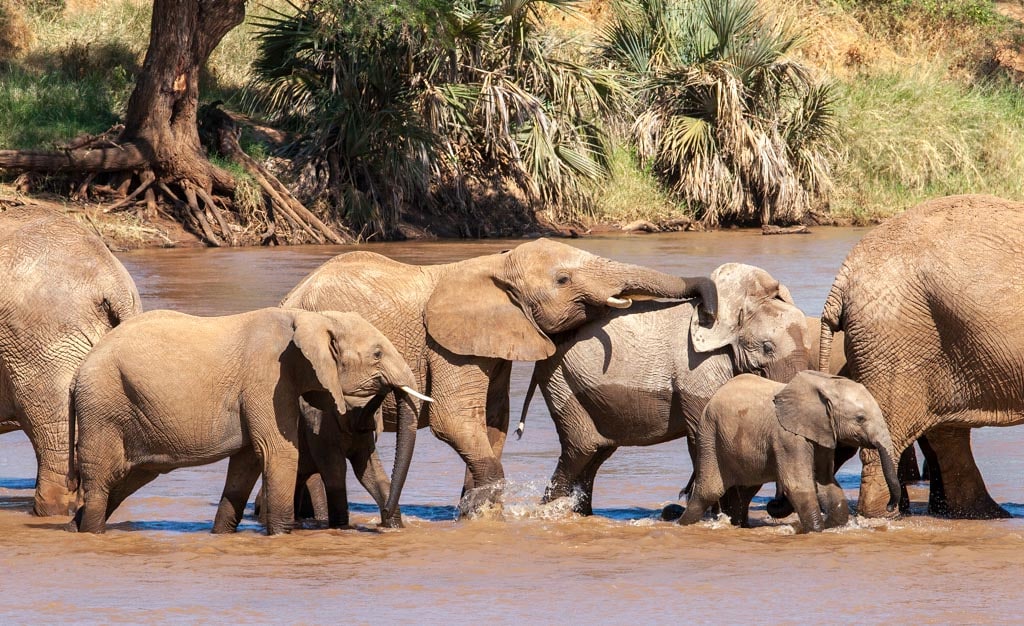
{"x": 159, "y": 562}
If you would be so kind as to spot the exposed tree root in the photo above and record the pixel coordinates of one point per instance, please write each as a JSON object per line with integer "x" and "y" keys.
{"x": 109, "y": 170}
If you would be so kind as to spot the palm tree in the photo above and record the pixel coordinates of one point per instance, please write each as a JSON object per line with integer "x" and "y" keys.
{"x": 400, "y": 111}
{"x": 734, "y": 127}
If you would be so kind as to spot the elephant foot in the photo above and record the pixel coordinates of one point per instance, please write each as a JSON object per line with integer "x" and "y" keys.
{"x": 874, "y": 494}
{"x": 482, "y": 503}
{"x": 672, "y": 512}
{"x": 395, "y": 521}
{"x": 53, "y": 500}
{"x": 779, "y": 507}
{"x": 981, "y": 507}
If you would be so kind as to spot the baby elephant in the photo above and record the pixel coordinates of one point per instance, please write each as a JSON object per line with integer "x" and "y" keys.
{"x": 167, "y": 390}
{"x": 755, "y": 431}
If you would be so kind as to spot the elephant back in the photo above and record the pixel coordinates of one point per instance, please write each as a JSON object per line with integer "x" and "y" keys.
{"x": 388, "y": 294}
{"x": 62, "y": 288}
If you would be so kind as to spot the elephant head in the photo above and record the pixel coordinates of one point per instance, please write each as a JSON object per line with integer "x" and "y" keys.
{"x": 359, "y": 366}
{"x": 507, "y": 305}
{"x": 827, "y": 410}
{"x": 757, "y": 320}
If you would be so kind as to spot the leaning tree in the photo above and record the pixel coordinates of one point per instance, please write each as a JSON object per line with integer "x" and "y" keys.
{"x": 157, "y": 153}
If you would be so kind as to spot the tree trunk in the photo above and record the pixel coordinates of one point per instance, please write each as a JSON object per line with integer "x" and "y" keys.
{"x": 161, "y": 117}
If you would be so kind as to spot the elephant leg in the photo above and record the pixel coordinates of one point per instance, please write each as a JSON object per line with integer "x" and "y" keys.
{"x": 833, "y": 502}
{"x": 136, "y": 479}
{"x": 497, "y": 416}
{"x": 929, "y": 461}
{"x": 585, "y": 482}
{"x": 91, "y": 517}
{"x": 45, "y": 422}
{"x": 697, "y": 504}
{"x": 243, "y": 470}
{"x": 273, "y": 429}
{"x": 371, "y": 475}
{"x": 780, "y": 507}
{"x": 960, "y": 481}
{"x": 459, "y": 418}
{"x": 735, "y": 503}
{"x": 571, "y": 464}
{"x": 908, "y": 469}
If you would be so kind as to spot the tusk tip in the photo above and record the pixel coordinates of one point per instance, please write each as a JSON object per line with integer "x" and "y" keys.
{"x": 619, "y": 303}
{"x": 412, "y": 392}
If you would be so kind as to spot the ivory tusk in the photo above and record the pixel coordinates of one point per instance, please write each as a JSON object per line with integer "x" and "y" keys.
{"x": 642, "y": 298}
{"x": 412, "y": 392}
{"x": 619, "y": 303}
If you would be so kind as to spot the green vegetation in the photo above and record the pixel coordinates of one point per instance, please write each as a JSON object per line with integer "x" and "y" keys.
{"x": 726, "y": 120}
{"x": 720, "y": 111}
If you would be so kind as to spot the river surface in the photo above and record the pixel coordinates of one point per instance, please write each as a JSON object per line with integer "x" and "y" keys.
{"x": 158, "y": 562}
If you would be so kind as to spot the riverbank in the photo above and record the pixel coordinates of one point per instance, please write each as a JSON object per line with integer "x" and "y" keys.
{"x": 928, "y": 104}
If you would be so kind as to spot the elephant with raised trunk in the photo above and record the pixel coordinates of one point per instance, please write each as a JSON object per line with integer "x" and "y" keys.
{"x": 755, "y": 431}
{"x": 930, "y": 306}
{"x": 644, "y": 378}
{"x": 460, "y": 326}
{"x": 61, "y": 291}
{"x": 167, "y": 390}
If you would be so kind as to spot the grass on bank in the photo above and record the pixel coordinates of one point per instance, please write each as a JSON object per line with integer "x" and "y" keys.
{"x": 919, "y": 120}
{"x": 917, "y": 135}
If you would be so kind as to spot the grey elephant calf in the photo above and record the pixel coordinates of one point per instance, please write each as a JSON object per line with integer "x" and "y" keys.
{"x": 167, "y": 390}
{"x": 755, "y": 431}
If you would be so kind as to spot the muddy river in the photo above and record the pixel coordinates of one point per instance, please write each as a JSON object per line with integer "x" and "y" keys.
{"x": 158, "y": 561}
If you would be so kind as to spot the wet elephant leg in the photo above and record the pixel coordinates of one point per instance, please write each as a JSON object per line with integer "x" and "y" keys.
{"x": 243, "y": 471}
{"x": 780, "y": 507}
{"x": 45, "y": 422}
{"x": 585, "y": 482}
{"x": 908, "y": 470}
{"x": 735, "y": 503}
{"x": 960, "y": 481}
{"x": 371, "y": 475}
{"x": 458, "y": 417}
{"x": 571, "y": 464}
{"x": 497, "y": 416}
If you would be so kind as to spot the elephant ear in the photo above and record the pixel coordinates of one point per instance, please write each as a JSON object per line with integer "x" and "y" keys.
{"x": 315, "y": 336}
{"x": 473, "y": 313}
{"x": 804, "y": 408}
{"x": 739, "y": 286}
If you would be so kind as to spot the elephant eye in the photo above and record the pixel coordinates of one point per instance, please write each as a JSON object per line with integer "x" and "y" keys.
{"x": 563, "y": 279}
{"x": 768, "y": 348}
{"x": 377, "y": 354}
{"x": 861, "y": 419}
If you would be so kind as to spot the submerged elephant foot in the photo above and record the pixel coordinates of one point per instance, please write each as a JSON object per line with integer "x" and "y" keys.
{"x": 53, "y": 500}
{"x": 779, "y": 507}
{"x": 980, "y": 507}
{"x": 672, "y": 512}
{"x": 482, "y": 503}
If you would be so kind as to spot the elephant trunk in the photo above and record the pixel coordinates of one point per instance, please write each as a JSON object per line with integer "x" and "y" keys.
{"x": 408, "y": 420}
{"x": 638, "y": 283}
{"x": 891, "y": 476}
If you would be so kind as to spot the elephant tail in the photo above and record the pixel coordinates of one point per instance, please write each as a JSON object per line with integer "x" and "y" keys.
{"x": 72, "y": 479}
{"x": 831, "y": 319}
{"x": 526, "y": 404}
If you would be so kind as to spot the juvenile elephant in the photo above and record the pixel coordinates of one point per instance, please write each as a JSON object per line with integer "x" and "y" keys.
{"x": 460, "y": 326}
{"x": 168, "y": 390}
{"x": 644, "y": 378}
{"x": 755, "y": 431}
{"x": 60, "y": 291}
{"x": 930, "y": 306}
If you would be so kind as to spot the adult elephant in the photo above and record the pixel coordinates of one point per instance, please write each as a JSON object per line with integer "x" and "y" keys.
{"x": 460, "y": 326}
{"x": 929, "y": 303}
{"x": 60, "y": 291}
{"x": 644, "y": 378}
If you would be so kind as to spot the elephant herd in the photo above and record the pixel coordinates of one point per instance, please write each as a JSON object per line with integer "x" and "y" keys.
{"x": 925, "y": 309}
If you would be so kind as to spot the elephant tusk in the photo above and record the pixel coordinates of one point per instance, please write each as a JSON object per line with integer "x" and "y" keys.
{"x": 642, "y": 297}
{"x": 619, "y": 303}
{"x": 412, "y": 392}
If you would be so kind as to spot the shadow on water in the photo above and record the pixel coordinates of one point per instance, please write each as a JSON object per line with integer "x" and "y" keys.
{"x": 430, "y": 513}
